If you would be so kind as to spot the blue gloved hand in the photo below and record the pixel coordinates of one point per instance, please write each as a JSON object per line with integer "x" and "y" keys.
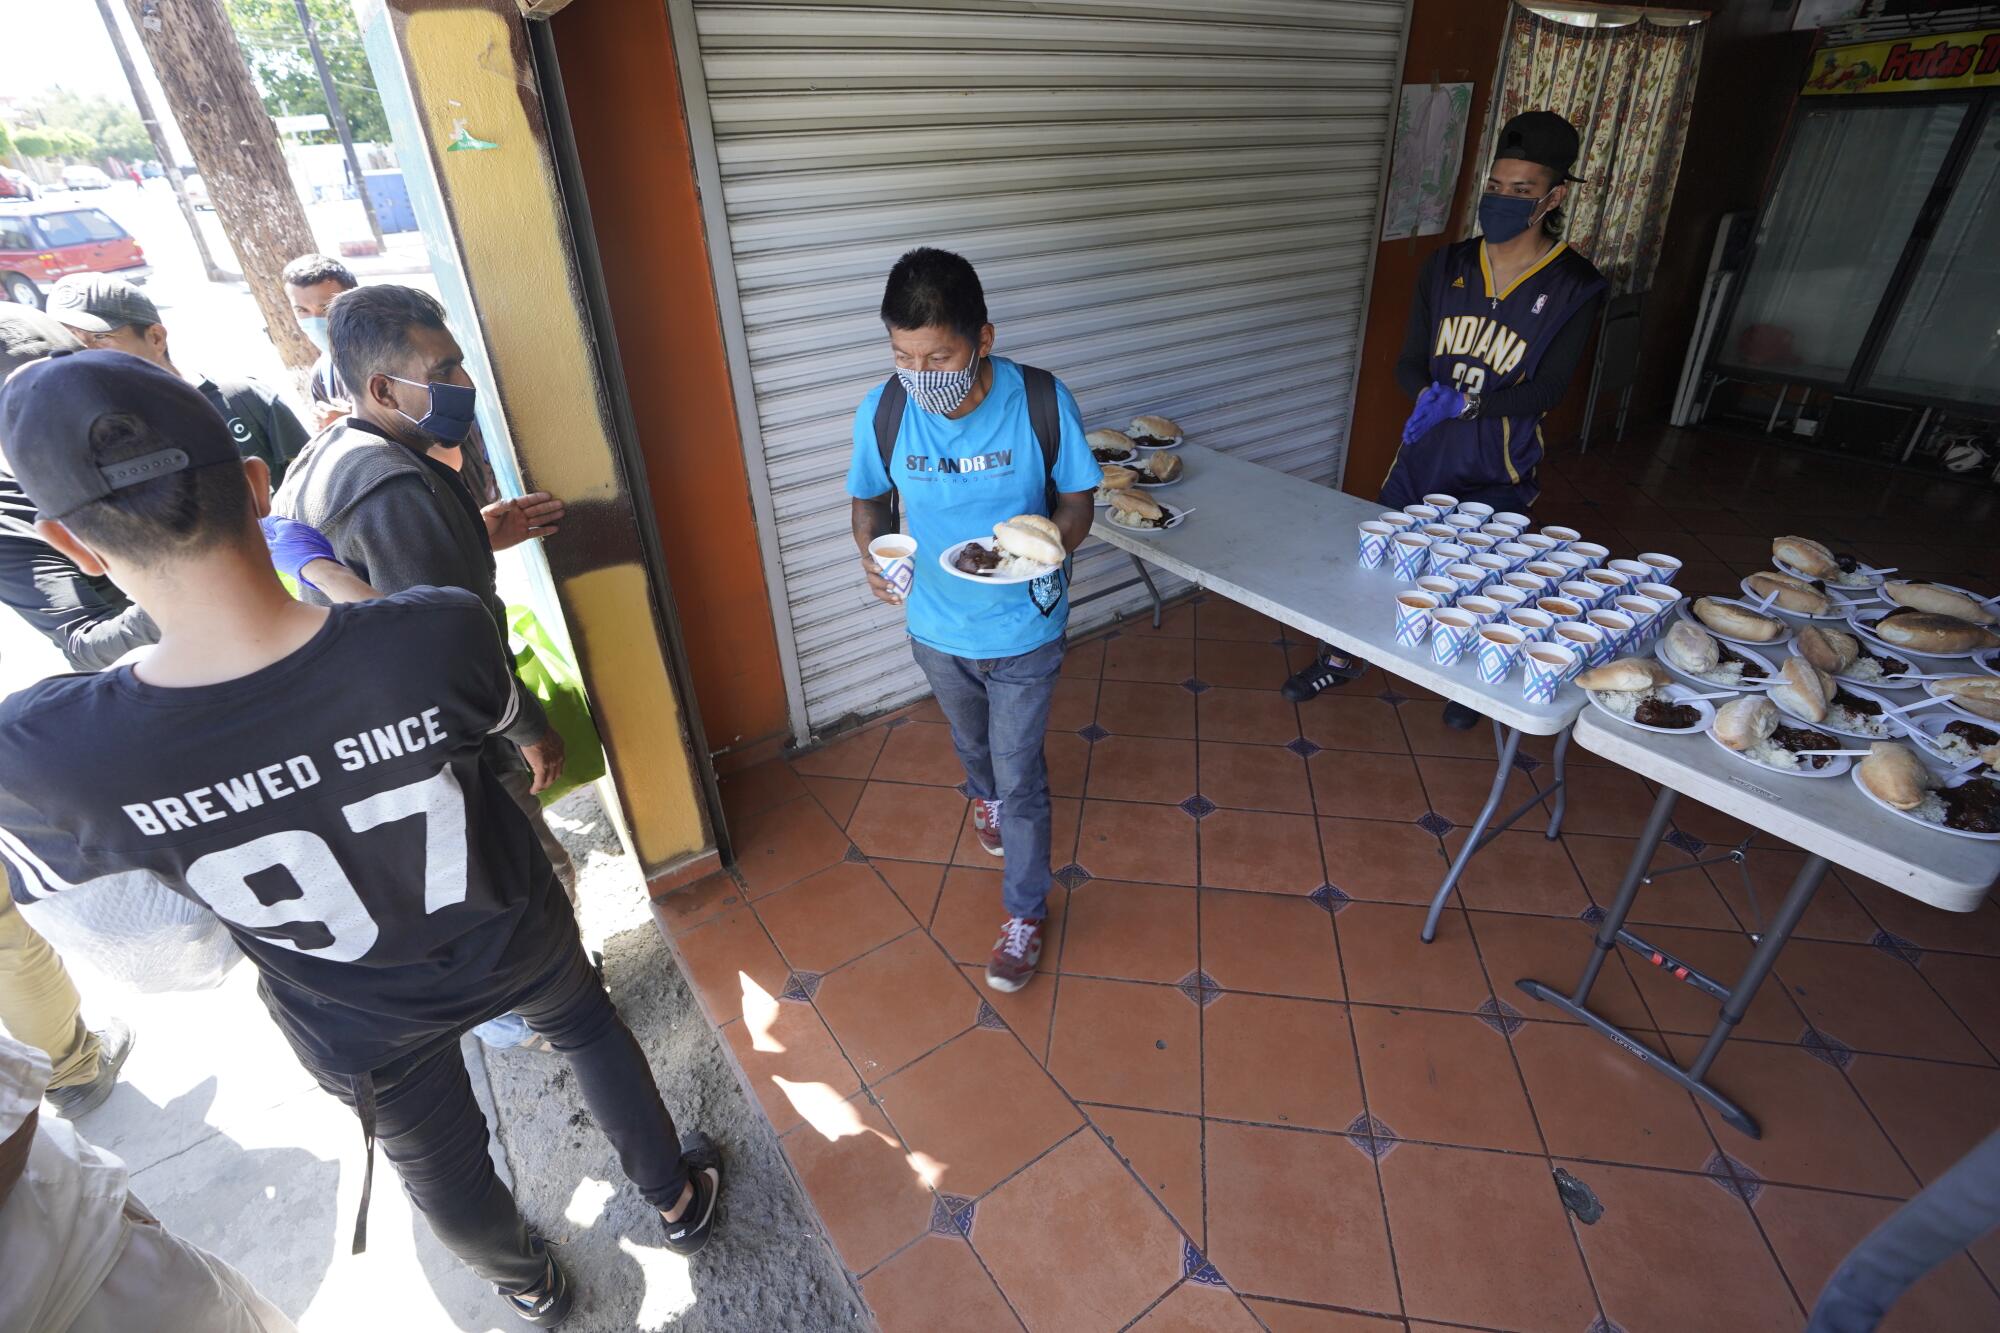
{"x": 295, "y": 545}
{"x": 1434, "y": 405}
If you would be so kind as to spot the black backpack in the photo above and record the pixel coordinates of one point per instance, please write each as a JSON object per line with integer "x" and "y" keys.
{"x": 1042, "y": 414}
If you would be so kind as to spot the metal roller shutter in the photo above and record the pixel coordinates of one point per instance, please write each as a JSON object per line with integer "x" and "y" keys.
{"x": 1172, "y": 204}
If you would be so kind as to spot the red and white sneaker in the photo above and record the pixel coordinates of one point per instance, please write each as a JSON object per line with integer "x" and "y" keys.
{"x": 986, "y": 823}
{"x": 1015, "y": 954}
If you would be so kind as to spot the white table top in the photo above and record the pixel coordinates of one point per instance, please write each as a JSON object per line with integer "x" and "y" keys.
{"x": 1829, "y": 817}
{"x": 1287, "y": 548}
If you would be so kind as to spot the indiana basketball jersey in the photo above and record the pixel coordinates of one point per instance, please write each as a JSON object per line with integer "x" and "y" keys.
{"x": 1483, "y": 340}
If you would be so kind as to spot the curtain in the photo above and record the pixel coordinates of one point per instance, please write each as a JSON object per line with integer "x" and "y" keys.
{"x": 1628, "y": 90}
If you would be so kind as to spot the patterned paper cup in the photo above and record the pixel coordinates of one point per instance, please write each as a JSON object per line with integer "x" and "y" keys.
{"x": 1396, "y": 519}
{"x": 1476, "y": 542}
{"x": 1617, "y": 628}
{"x": 897, "y": 555}
{"x": 1508, "y": 597}
{"x": 1560, "y": 608}
{"x": 1548, "y": 571}
{"x": 1408, "y": 552}
{"x": 1451, "y": 635}
{"x": 1499, "y": 648}
{"x": 1438, "y": 532}
{"x": 1374, "y": 543}
{"x": 1441, "y": 502}
{"x": 1445, "y": 554}
{"x": 1463, "y": 521}
{"x": 1518, "y": 555}
{"x": 1573, "y": 565}
{"x": 1512, "y": 519}
{"x": 1582, "y": 591}
{"x": 1534, "y": 625}
{"x": 1478, "y": 509}
{"x": 1586, "y": 639}
{"x": 1645, "y": 613}
{"x": 1633, "y": 570}
{"x": 1562, "y": 537}
{"x": 1666, "y": 568}
{"x": 1549, "y": 665}
{"x": 1610, "y": 580}
{"x": 1528, "y": 585}
{"x": 1424, "y": 513}
{"x": 1413, "y": 617}
{"x": 1595, "y": 553}
{"x": 1482, "y": 609}
{"x": 1494, "y": 566}
{"x": 1500, "y": 532}
{"x": 1440, "y": 587}
{"x": 1539, "y": 544}
{"x": 1666, "y": 594}
{"x": 1469, "y": 578}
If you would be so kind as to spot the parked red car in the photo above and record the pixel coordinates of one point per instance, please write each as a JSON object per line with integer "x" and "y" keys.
{"x": 43, "y": 241}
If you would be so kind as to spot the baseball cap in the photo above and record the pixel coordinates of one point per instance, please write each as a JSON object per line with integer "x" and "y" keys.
{"x": 99, "y": 303}
{"x": 1541, "y": 137}
{"x": 26, "y": 334}
{"x": 48, "y": 408}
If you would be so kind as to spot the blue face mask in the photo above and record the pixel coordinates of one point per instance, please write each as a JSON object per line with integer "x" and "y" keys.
{"x": 314, "y": 327}
{"x": 450, "y": 416}
{"x": 1502, "y": 217}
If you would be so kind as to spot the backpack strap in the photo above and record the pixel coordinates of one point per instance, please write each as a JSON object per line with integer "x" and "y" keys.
{"x": 888, "y": 425}
{"x": 1045, "y": 416}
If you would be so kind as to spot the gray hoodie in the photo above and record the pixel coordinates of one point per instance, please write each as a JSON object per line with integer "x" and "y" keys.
{"x": 398, "y": 519}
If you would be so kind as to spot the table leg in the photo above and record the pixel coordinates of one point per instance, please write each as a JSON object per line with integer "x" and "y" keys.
{"x": 1628, "y": 890}
{"x": 1561, "y": 787}
{"x": 1146, "y": 577}
{"x": 1799, "y": 897}
{"x": 1509, "y": 741}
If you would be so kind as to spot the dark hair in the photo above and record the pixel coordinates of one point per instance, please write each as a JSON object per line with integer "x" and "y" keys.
{"x": 933, "y": 288}
{"x": 368, "y": 329}
{"x": 312, "y": 270}
{"x": 179, "y": 514}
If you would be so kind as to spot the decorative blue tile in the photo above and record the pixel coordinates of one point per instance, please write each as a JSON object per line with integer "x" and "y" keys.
{"x": 1196, "y": 685}
{"x": 1594, "y": 914}
{"x": 1527, "y": 763}
{"x": 951, "y": 1215}
{"x": 1331, "y": 898}
{"x": 1072, "y": 875}
{"x": 1435, "y": 823}
{"x": 1391, "y": 698}
{"x": 1734, "y": 1177}
{"x": 1092, "y": 733}
{"x": 855, "y": 855}
{"x": 1198, "y": 807}
{"x": 1303, "y": 748}
{"x": 895, "y": 722}
{"x": 1197, "y": 1269}
{"x": 1371, "y": 1136}
{"x": 1822, "y": 1046}
{"x": 1500, "y": 1016}
{"x": 1687, "y": 842}
{"x": 1897, "y": 945}
{"x": 800, "y": 987}
{"x": 989, "y": 1017}
{"x": 965, "y": 790}
{"x": 1603, "y": 1325}
{"x": 1199, "y": 987}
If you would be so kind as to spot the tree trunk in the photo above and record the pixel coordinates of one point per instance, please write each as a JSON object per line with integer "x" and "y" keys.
{"x": 235, "y": 147}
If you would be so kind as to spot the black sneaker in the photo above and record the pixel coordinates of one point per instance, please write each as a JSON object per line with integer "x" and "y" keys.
{"x": 114, "y": 1044}
{"x": 549, "y": 1304}
{"x": 704, "y": 1167}
{"x": 1327, "y": 671}
{"x": 1460, "y": 718}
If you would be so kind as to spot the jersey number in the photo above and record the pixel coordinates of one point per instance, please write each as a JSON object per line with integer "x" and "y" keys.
{"x": 326, "y": 895}
{"x": 1468, "y": 379}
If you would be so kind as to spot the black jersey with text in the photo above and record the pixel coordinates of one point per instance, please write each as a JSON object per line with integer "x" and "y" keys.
{"x": 1483, "y": 340}
{"x": 331, "y": 808}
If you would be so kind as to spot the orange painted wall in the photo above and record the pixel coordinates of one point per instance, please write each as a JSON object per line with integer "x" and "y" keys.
{"x": 625, "y": 102}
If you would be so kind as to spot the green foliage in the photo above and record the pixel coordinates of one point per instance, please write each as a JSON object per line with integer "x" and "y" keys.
{"x": 274, "y": 46}
{"x": 51, "y": 141}
{"x": 98, "y": 126}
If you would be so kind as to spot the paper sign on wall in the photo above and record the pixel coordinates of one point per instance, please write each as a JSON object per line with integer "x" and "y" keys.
{"x": 1423, "y": 174}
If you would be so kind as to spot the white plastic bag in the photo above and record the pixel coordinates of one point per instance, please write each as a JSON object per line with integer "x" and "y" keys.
{"x": 138, "y": 931}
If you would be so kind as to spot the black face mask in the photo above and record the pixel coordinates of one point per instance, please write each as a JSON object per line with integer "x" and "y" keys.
{"x": 1502, "y": 217}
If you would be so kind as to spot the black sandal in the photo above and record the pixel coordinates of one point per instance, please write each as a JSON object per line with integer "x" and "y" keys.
{"x": 697, "y": 1223}
{"x": 1328, "y": 669}
{"x": 549, "y": 1304}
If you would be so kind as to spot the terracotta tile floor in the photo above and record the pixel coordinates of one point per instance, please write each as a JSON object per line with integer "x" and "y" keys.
{"x": 1243, "y": 1095}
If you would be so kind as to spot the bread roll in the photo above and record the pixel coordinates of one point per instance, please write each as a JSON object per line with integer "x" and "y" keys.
{"x": 1137, "y": 502}
{"x": 1979, "y": 695}
{"x": 1626, "y": 674}
{"x": 1159, "y": 428}
{"x": 1831, "y": 650}
{"x": 1163, "y": 467}
{"x": 1118, "y": 478}
{"x": 1793, "y": 594}
{"x": 1895, "y": 775}
{"x": 1936, "y": 598}
{"x": 1742, "y": 722}
{"x": 1928, "y": 632}
{"x": 1691, "y": 648}
{"x": 1031, "y": 537}
{"x": 1803, "y": 691}
{"x": 1736, "y": 621}
{"x": 1807, "y": 556}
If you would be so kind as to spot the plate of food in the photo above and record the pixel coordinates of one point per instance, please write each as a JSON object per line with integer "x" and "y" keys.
{"x": 1111, "y": 446}
{"x": 1138, "y": 512}
{"x": 1903, "y": 630}
{"x": 1115, "y": 479}
{"x": 1698, "y": 657}
{"x": 1805, "y": 598}
{"x": 1809, "y": 559}
{"x": 1752, "y": 729}
{"x": 1161, "y": 469}
{"x": 1896, "y": 778}
{"x": 1956, "y": 740}
{"x": 1988, "y": 662}
{"x": 1974, "y": 697}
{"x": 1847, "y": 658}
{"x": 1809, "y": 695}
{"x": 1943, "y": 599}
{"x": 1735, "y": 621}
{"x": 1020, "y": 550}
{"x": 1149, "y": 432}
{"x": 1642, "y": 694}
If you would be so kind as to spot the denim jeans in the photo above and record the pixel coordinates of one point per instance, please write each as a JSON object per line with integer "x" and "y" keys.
{"x": 998, "y": 709}
{"x": 1951, "y": 1213}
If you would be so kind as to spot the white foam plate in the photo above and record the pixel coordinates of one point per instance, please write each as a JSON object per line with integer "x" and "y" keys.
{"x": 1126, "y": 461}
{"x": 950, "y": 553}
{"x": 1687, "y": 613}
{"x": 1930, "y": 688}
{"x": 1145, "y": 485}
{"x": 1948, "y": 587}
{"x": 1895, "y": 731}
{"x": 1988, "y": 661}
{"x": 1915, "y": 818}
{"x": 1925, "y": 727}
{"x": 1854, "y": 623}
{"x": 1874, "y": 580}
{"x": 1834, "y": 767}
{"x": 1757, "y": 659}
{"x": 1877, "y": 682}
{"x": 1837, "y": 611}
{"x": 1675, "y": 693}
{"x": 1179, "y": 440}
{"x": 1174, "y": 518}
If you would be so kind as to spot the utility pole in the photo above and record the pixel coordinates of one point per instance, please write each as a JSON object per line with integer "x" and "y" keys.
{"x": 208, "y": 87}
{"x": 339, "y": 117}
{"x": 160, "y": 148}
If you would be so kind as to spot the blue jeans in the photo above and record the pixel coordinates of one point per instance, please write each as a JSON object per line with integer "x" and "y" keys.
{"x": 998, "y": 709}
{"x": 1951, "y": 1213}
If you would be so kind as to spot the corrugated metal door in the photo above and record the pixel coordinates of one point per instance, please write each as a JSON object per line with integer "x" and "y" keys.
{"x": 1172, "y": 205}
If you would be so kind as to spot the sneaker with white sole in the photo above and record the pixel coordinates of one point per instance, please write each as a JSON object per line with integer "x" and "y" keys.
{"x": 703, "y": 1161}
{"x": 986, "y": 823}
{"x": 1015, "y": 954}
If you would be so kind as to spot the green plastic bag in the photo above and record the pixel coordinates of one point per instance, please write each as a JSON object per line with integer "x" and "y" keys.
{"x": 552, "y": 678}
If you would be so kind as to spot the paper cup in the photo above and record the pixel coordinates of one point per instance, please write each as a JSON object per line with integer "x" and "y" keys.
{"x": 1549, "y": 665}
{"x": 1591, "y": 551}
{"x": 1413, "y": 617}
{"x": 1396, "y": 519}
{"x": 1463, "y": 521}
{"x": 1499, "y": 649}
{"x": 1633, "y": 571}
{"x": 1617, "y": 628}
{"x": 1583, "y": 592}
{"x": 1666, "y": 568}
{"x": 1444, "y": 554}
{"x": 1374, "y": 543}
{"x": 1517, "y": 555}
{"x": 1476, "y": 542}
{"x": 1645, "y": 613}
{"x": 1534, "y": 625}
{"x": 1666, "y": 594}
{"x": 1500, "y": 532}
{"x": 1512, "y": 519}
{"x": 1478, "y": 509}
{"x": 1440, "y": 587}
{"x": 1539, "y": 544}
{"x": 1424, "y": 513}
{"x": 1451, "y": 635}
{"x": 1548, "y": 571}
{"x": 896, "y": 553}
{"x": 1482, "y": 609}
{"x": 1610, "y": 580}
{"x": 1438, "y": 532}
{"x": 1573, "y": 565}
{"x": 1408, "y": 552}
{"x": 1530, "y": 586}
{"x": 1561, "y": 609}
{"x": 1586, "y": 639}
{"x": 1469, "y": 578}
{"x": 1508, "y": 597}
{"x": 1493, "y": 566}
{"x": 1562, "y": 537}
{"x": 1444, "y": 504}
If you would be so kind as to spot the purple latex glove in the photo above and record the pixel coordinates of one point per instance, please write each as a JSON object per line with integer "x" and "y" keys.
{"x": 295, "y": 545}
{"x": 1434, "y": 405}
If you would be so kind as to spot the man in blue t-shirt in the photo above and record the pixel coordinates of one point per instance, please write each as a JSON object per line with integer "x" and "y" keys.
{"x": 966, "y": 457}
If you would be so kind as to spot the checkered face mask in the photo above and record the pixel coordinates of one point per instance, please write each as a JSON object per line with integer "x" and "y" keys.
{"x": 940, "y": 391}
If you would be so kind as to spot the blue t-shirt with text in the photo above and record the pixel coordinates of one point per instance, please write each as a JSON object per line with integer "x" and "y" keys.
{"x": 958, "y": 479}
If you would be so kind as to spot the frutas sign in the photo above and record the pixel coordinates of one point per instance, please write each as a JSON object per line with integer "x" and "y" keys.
{"x": 1908, "y": 65}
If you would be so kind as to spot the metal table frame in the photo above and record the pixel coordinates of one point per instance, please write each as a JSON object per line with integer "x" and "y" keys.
{"x": 1506, "y": 744}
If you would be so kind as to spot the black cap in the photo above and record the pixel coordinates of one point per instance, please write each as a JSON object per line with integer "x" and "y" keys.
{"x": 47, "y": 410}
{"x": 1541, "y": 137}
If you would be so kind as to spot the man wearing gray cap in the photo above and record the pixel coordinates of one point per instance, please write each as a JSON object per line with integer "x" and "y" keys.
{"x": 109, "y": 312}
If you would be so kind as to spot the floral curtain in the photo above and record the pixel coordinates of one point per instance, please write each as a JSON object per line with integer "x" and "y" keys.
{"x": 1628, "y": 90}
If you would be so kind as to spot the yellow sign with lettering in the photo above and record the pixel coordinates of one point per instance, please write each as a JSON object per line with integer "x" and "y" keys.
{"x": 1909, "y": 65}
